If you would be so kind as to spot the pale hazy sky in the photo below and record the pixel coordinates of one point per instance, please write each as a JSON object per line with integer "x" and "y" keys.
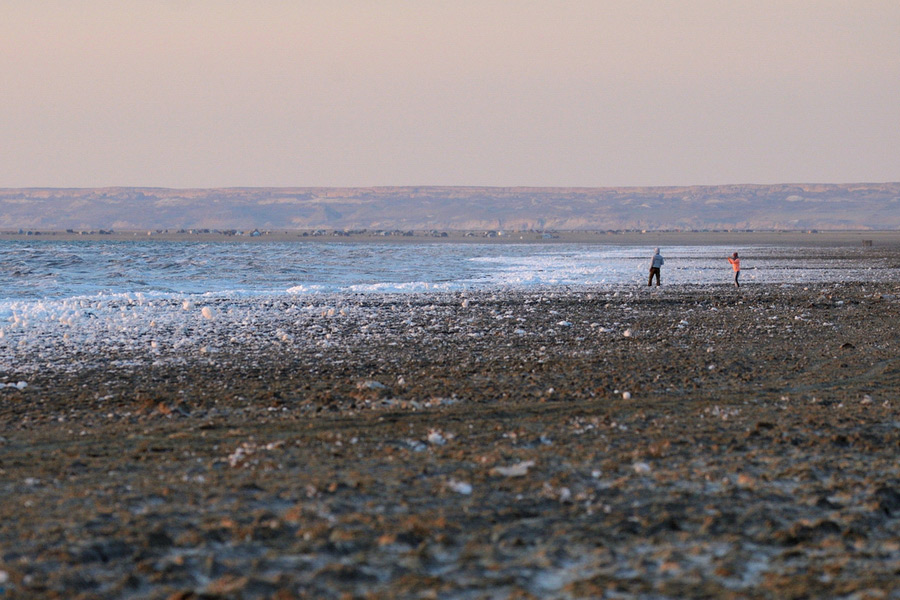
{"x": 209, "y": 93}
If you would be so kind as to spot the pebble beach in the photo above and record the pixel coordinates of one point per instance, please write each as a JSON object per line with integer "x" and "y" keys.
{"x": 687, "y": 441}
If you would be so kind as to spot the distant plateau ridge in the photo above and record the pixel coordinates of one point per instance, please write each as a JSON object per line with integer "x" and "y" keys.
{"x": 863, "y": 206}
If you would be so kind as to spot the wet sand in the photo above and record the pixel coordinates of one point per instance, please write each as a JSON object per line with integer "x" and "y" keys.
{"x": 680, "y": 442}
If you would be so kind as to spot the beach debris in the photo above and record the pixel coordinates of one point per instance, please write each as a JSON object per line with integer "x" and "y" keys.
{"x": 208, "y": 313}
{"x": 415, "y": 445}
{"x": 722, "y": 413}
{"x": 437, "y": 438}
{"x": 516, "y": 470}
{"x": 627, "y": 333}
{"x": 562, "y": 494}
{"x": 21, "y": 385}
{"x": 641, "y": 468}
{"x": 371, "y": 384}
{"x": 371, "y": 389}
{"x": 460, "y": 487}
{"x": 626, "y": 395}
{"x": 241, "y": 457}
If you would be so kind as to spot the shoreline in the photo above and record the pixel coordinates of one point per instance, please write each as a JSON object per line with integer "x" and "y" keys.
{"x": 553, "y": 443}
{"x": 822, "y": 238}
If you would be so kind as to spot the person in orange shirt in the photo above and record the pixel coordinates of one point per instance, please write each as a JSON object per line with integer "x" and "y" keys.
{"x": 736, "y": 265}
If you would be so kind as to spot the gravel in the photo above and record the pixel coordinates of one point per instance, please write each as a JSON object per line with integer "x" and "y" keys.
{"x": 686, "y": 441}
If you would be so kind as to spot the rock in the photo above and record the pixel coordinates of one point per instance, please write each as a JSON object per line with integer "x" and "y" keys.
{"x": 460, "y": 487}
{"x": 516, "y": 470}
{"x": 641, "y": 468}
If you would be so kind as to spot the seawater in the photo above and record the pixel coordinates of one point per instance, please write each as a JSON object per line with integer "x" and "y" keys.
{"x": 64, "y": 302}
{"x": 57, "y": 270}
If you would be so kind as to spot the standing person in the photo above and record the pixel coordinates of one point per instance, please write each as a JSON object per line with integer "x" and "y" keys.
{"x": 736, "y": 265}
{"x": 655, "y": 263}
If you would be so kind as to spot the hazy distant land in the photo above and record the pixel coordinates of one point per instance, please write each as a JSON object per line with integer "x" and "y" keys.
{"x": 795, "y": 207}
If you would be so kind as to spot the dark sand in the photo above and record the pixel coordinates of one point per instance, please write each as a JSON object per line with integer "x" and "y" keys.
{"x": 687, "y": 442}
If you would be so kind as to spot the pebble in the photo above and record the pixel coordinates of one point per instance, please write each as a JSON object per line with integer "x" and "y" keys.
{"x": 436, "y": 438}
{"x": 641, "y": 468}
{"x": 517, "y": 470}
{"x": 460, "y": 487}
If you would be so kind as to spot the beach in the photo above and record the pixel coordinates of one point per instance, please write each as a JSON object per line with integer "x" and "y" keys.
{"x": 332, "y": 300}
{"x": 561, "y": 442}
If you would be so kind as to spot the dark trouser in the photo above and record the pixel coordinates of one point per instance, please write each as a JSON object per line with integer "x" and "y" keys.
{"x": 654, "y": 271}
{"x": 736, "y": 275}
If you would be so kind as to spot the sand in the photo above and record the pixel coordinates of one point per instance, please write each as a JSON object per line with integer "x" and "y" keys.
{"x": 680, "y": 442}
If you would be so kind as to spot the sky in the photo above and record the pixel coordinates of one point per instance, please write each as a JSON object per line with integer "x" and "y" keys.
{"x": 232, "y": 93}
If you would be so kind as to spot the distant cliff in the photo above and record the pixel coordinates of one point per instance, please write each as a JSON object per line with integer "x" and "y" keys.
{"x": 760, "y": 207}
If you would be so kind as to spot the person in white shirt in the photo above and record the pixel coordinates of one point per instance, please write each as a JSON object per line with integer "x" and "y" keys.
{"x": 655, "y": 264}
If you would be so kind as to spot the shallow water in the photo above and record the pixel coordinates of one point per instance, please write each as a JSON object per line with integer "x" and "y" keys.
{"x": 57, "y": 270}
{"x": 63, "y": 297}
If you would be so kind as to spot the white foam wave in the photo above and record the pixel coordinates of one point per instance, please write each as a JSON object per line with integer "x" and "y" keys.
{"x": 208, "y": 314}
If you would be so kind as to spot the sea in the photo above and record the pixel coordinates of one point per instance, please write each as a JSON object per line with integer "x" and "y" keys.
{"x": 41, "y": 271}
{"x": 59, "y": 299}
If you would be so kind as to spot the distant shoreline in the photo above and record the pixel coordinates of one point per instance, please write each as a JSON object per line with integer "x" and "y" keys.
{"x": 638, "y": 238}
{"x": 776, "y": 207}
